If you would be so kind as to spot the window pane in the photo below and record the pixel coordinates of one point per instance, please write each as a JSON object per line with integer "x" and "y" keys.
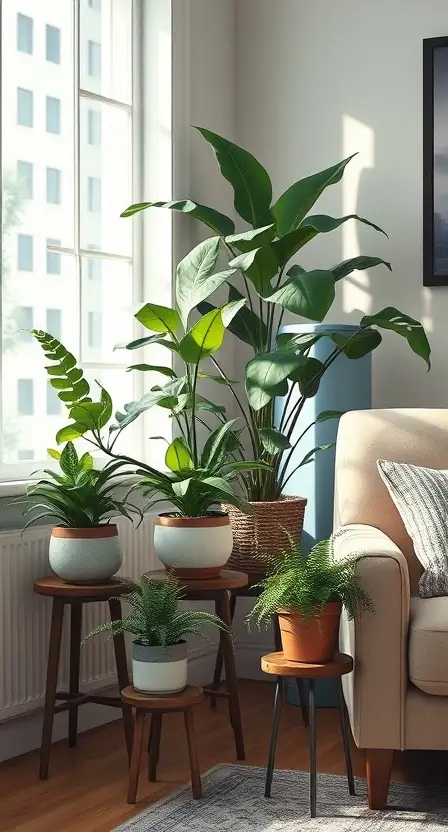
{"x": 106, "y": 49}
{"x": 53, "y": 259}
{"x": 25, "y": 34}
{"x": 53, "y": 323}
{"x": 95, "y": 4}
{"x": 24, "y": 321}
{"x": 25, "y": 396}
{"x": 94, "y": 127}
{"x": 53, "y": 186}
{"x": 106, "y": 312}
{"x": 54, "y": 404}
{"x": 23, "y": 454}
{"x": 93, "y": 264}
{"x": 25, "y": 106}
{"x": 53, "y": 44}
{"x": 25, "y": 252}
{"x": 25, "y": 177}
{"x": 53, "y": 115}
{"x": 106, "y": 188}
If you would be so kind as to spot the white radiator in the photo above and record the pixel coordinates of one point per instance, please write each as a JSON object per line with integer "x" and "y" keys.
{"x": 25, "y": 618}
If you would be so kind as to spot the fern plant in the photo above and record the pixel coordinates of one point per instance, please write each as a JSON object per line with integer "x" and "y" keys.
{"x": 155, "y": 618}
{"x": 304, "y": 585}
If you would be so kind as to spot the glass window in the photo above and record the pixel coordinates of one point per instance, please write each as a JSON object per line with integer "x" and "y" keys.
{"x": 25, "y": 254}
{"x": 95, "y": 4}
{"x": 94, "y": 329}
{"x": 25, "y": 454}
{"x": 25, "y": 177}
{"x": 25, "y": 107}
{"x": 53, "y": 258}
{"x": 24, "y": 320}
{"x": 94, "y": 127}
{"x": 53, "y": 401}
{"x": 94, "y": 195}
{"x": 53, "y": 186}
{"x": 25, "y": 34}
{"x": 94, "y": 264}
{"x": 25, "y": 396}
{"x": 53, "y": 44}
{"x": 94, "y": 59}
{"x": 53, "y": 322}
{"x": 53, "y": 115}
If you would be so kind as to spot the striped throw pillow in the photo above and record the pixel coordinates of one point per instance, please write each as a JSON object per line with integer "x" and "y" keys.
{"x": 421, "y": 497}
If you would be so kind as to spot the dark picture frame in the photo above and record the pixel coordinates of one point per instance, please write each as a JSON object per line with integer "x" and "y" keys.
{"x": 435, "y": 161}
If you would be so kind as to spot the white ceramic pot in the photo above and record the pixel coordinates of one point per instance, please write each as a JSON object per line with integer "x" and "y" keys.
{"x": 194, "y": 547}
{"x": 159, "y": 670}
{"x": 85, "y": 556}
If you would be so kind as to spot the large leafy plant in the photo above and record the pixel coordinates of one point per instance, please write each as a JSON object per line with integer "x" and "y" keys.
{"x": 79, "y": 495}
{"x": 304, "y": 584}
{"x": 155, "y": 618}
{"x": 260, "y": 271}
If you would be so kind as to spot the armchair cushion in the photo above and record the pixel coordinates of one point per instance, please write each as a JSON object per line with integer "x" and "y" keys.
{"x": 428, "y": 645}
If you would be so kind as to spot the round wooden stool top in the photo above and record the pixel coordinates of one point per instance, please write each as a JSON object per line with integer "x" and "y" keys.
{"x": 54, "y": 586}
{"x": 276, "y": 664}
{"x": 172, "y": 702}
{"x": 225, "y": 581}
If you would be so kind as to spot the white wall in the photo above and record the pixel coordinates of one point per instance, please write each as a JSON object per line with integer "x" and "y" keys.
{"x": 317, "y": 81}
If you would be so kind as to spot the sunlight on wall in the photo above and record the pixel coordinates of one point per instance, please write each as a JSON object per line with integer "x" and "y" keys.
{"x": 357, "y": 138}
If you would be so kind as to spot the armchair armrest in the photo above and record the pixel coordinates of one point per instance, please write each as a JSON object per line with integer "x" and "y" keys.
{"x": 375, "y": 691}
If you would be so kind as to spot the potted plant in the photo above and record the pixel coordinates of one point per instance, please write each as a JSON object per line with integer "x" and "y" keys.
{"x": 158, "y": 627}
{"x": 84, "y": 545}
{"x": 280, "y": 364}
{"x": 196, "y": 538}
{"x": 307, "y": 594}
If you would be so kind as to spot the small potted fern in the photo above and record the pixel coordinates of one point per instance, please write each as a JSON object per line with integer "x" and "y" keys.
{"x": 158, "y": 627}
{"x": 307, "y": 594}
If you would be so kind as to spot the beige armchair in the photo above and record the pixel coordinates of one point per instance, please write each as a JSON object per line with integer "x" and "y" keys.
{"x": 397, "y": 695}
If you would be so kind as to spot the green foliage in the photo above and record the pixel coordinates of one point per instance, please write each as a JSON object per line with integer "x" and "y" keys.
{"x": 80, "y": 496}
{"x": 155, "y": 619}
{"x": 304, "y": 585}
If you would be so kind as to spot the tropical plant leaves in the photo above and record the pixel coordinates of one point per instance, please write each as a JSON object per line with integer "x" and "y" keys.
{"x": 273, "y": 440}
{"x": 409, "y": 328}
{"x": 218, "y": 222}
{"x": 195, "y": 276}
{"x": 259, "y": 265}
{"x": 267, "y": 374}
{"x": 309, "y": 228}
{"x": 308, "y": 294}
{"x": 178, "y": 457}
{"x": 207, "y": 335}
{"x": 359, "y": 343}
{"x": 359, "y": 263}
{"x": 256, "y": 238}
{"x": 159, "y": 319}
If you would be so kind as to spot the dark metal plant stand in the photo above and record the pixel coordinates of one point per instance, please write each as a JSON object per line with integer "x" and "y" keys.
{"x": 275, "y": 664}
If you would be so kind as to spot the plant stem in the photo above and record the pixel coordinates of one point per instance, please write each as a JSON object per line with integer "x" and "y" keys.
{"x": 250, "y": 427}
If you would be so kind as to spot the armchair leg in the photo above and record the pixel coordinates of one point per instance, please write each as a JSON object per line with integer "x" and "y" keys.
{"x": 379, "y": 771}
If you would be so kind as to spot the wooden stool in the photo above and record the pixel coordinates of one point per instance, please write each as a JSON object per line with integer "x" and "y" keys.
{"x": 157, "y": 706}
{"x": 254, "y": 590}
{"x": 76, "y": 595}
{"x": 217, "y": 590}
{"x": 276, "y": 664}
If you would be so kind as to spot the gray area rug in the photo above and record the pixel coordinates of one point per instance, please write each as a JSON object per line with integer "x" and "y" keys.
{"x": 233, "y": 801}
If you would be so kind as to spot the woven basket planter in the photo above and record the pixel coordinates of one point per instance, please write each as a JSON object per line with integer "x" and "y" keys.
{"x": 264, "y": 531}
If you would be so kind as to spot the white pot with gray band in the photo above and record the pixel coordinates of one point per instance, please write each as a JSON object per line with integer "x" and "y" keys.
{"x": 159, "y": 670}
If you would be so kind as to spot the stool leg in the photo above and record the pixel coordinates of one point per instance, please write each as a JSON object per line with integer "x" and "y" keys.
{"x": 222, "y": 605}
{"x": 278, "y": 697}
{"x": 139, "y": 724}
{"x": 155, "y": 732}
{"x": 75, "y": 653}
{"x": 313, "y": 776}
{"x": 219, "y": 660}
{"x": 122, "y": 672}
{"x": 196, "y": 786}
{"x": 301, "y": 690}
{"x": 345, "y": 740}
{"x": 54, "y": 647}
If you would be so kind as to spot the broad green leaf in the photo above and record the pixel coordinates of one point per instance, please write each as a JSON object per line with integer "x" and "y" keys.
{"x": 178, "y": 457}
{"x": 308, "y": 375}
{"x": 181, "y": 488}
{"x": 273, "y": 440}
{"x": 219, "y": 223}
{"x": 228, "y": 382}
{"x": 250, "y": 181}
{"x": 134, "y": 409}
{"x": 139, "y": 343}
{"x": 329, "y": 414}
{"x": 229, "y": 310}
{"x": 106, "y": 404}
{"x": 86, "y": 462}
{"x": 207, "y": 335}
{"x": 158, "y": 318}
{"x": 246, "y": 325}
{"x": 210, "y": 407}
{"x": 87, "y": 414}
{"x": 298, "y": 340}
{"x": 292, "y": 207}
{"x": 155, "y": 368}
{"x": 73, "y": 431}
{"x": 69, "y": 461}
{"x": 309, "y": 294}
{"x": 358, "y": 264}
{"x": 267, "y": 374}
{"x": 60, "y": 383}
{"x": 259, "y": 266}
{"x": 195, "y": 278}
{"x": 409, "y": 328}
{"x": 359, "y": 343}
{"x": 309, "y": 457}
{"x": 214, "y": 444}
{"x": 288, "y": 245}
{"x": 220, "y": 484}
{"x": 256, "y": 238}
{"x": 54, "y": 454}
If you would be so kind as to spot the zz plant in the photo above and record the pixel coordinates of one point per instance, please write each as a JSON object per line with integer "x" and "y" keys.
{"x": 261, "y": 271}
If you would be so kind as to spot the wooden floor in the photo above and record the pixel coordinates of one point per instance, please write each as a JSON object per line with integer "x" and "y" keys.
{"x": 86, "y": 791}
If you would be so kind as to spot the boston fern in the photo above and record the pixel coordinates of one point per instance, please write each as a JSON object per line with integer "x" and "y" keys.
{"x": 155, "y": 619}
{"x": 304, "y": 585}
{"x": 79, "y": 496}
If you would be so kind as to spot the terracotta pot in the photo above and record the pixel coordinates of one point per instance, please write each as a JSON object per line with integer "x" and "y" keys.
{"x": 264, "y": 531}
{"x": 310, "y": 640}
{"x": 85, "y": 556}
{"x": 193, "y": 547}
